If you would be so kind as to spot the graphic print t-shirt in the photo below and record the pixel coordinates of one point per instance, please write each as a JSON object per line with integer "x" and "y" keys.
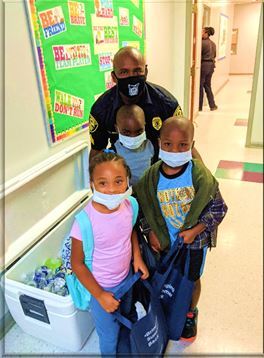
{"x": 175, "y": 194}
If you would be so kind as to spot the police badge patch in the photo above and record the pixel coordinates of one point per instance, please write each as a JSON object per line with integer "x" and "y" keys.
{"x": 178, "y": 112}
{"x": 156, "y": 123}
{"x": 93, "y": 125}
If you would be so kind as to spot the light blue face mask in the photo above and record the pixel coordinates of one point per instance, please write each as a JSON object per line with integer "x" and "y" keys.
{"x": 175, "y": 160}
{"x": 132, "y": 142}
{"x": 111, "y": 201}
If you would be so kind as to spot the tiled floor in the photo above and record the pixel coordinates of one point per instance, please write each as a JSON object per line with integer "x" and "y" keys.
{"x": 228, "y": 169}
{"x": 241, "y": 122}
{"x": 231, "y": 304}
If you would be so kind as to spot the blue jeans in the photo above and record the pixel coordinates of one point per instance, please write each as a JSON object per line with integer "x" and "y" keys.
{"x": 106, "y": 325}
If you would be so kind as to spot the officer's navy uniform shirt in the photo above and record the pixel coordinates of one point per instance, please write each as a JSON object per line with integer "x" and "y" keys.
{"x": 157, "y": 104}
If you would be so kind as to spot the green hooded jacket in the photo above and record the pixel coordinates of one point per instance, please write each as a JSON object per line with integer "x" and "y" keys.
{"x": 205, "y": 186}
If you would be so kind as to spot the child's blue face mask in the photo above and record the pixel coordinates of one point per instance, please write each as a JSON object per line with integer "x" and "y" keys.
{"x": 175, "y": 160}
{"x": 132, "y": 142}
{"x": 111, "y": 201}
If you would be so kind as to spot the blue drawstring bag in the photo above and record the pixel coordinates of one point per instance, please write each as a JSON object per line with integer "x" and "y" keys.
{"x": 148, "y": 335}
{"x": 174, "y": 287}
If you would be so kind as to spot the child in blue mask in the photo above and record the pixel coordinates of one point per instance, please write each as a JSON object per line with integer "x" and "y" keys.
{"x": 114, "y": 245}
{"x": 132, "y": 143}
{"x": 183, "y": 194}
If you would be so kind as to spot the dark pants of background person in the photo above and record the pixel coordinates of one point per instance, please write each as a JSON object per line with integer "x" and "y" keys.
{"x": 207, "y": 70}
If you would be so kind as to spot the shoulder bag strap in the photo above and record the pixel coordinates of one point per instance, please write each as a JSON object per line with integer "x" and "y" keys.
{"x": 87, "y": 236}
{"x": 134, "y": 205}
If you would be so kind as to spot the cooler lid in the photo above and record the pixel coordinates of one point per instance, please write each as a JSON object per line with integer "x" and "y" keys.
{"x": 36, "y": 200}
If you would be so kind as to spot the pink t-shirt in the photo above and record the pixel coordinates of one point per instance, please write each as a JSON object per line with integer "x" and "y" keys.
{"x": 112, "y": 243}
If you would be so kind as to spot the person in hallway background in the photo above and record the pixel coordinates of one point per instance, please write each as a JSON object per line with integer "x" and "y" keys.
{"x": 130, "y": 74}
{"x": 207, "y": 68}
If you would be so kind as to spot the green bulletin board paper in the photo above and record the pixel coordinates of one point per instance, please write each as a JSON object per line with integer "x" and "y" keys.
{"x": 75, "y": 43}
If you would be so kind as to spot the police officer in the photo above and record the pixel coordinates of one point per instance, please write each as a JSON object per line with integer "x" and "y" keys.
{"x": 207, "y": 68}
{"x": 130, "y": 73}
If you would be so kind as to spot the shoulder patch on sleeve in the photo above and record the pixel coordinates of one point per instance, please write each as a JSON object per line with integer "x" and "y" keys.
{"x": 93, "y": 124}
{"x": 178, "y": 112}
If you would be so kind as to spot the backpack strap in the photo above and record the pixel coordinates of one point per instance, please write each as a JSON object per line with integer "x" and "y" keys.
{"x": 134, "y": 205}
{"x": 87, "y": 237}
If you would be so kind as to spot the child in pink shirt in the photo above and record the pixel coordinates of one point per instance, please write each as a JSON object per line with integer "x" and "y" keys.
{"x": 115, "y": 243}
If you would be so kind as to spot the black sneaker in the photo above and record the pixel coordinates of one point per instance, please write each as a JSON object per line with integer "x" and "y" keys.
{"x": 214, "y": 108}
{"x": 190, "y": 329}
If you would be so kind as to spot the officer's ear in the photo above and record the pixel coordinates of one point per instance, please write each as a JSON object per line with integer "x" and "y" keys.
{"x": 159, "y": 142}
{"x": 146, "y": 70}
{"x": 113, "y": 75}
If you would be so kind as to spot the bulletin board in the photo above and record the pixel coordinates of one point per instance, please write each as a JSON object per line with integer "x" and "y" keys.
{"x": 74, "y": 43}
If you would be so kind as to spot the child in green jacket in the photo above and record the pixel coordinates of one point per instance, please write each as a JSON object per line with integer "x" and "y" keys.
{"x": 179, "y": 196}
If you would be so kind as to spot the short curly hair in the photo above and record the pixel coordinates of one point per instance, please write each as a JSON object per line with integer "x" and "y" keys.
{"x": 209, "y": 30}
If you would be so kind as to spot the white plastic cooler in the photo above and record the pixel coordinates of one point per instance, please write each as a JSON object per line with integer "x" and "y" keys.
{"x": 47, "y": 219}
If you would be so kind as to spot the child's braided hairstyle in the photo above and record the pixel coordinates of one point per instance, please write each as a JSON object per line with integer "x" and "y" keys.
{"x": 107, "y": 156}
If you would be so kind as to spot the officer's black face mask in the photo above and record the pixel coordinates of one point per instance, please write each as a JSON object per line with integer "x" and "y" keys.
{"x": 131, "y": 86}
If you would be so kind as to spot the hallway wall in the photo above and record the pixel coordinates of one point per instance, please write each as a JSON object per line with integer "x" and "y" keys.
{"x": 167, "y": 51}
{"x": 221, "y": 74}
{"x": 255, "y": 120}
{"x": 246, "y": 20}
{"x": 159, "y": 40}
{"x": 256, "y": 138}
{"x": 168, "y": 46}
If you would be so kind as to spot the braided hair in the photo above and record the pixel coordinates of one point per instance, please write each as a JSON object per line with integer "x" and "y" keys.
{"x": 107, "y": 156}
